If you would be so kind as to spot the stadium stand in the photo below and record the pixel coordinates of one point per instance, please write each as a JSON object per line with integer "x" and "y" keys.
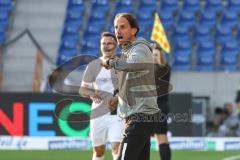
{"x": 229, "y": 19}
{"x": 223, "y": 34}
{"x": 213, "y": 21}
{"x": 5, "y": 8}
{"x": 205, "y": 54}
{"x": 170, "y": 5}
{"x": 167, "y": 19}
{"x": 70, "y": 35}
{"x": 234, "y": 5}
{"x": 191, "y": 6}
{"x": 207, "y": 19}
{"x": 201, "y": 34}
{"x": 186, "y": 19}
{"x": 229, "y": 55}
{"x": 215, "y": 6}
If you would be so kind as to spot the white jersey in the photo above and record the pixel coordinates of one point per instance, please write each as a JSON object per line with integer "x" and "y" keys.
{"x": 103, "y": 82}
{"x": 107, "y": 127}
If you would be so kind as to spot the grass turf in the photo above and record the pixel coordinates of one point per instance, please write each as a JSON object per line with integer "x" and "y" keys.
{"x": 86, "y": 155}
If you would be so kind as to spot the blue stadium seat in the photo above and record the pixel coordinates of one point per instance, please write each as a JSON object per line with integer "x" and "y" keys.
{"x": 3, "y": 15}
{"x": 167, "y": 19}
{"x": 100, "y": 2}
{"x": 230, "y": 46}
{"x": 234, "y": 5}
{"x": 207, "y": 19}
{"x": 91, "y": 36}
{"x": 191, "y": 5}
{"x": 144, "y": 14}
{"x": 65, "y": 55}
{"x": 180, "y": 34}
{"x": 223, "y": 34}
{"x": 124, "y": 6}
{"x": 90, "y": 51}
{"x": 76, "y": 3}
{"x": 4, "y": 23}
{"x": 147, "y": 5}
{"x": 201, "y": 34}
{"x": 124, "y": 3}
{"x": 228, "y": 61}
{"x": 145, "y": 25}
{"x": 141, "y": 33}
{"x": 181, "y": 60}
{"x": 238, "y": 35}
{"x": 229, "y": 19}
{"x": 74, "y": 13}
{"x": 2, "y": 37}
{"x": 5, "y": 2}
{"x": 69, "y": 42}
{"x": 90, "y": 43}
{"x": 214, "y": 6}
{"x": 170, "y": 5}
{"x": 95, "y": 26}
{"x": 122, "y": 9}
{"x": 186, "y": 19}
{"x": 205, "y": 56}
{"x": 183, "y": 45}
{"x": 6, "y": 5}
{"x": 70, "y": 34}
{"x": 2, "y": 29}
{"x": 100, "y": 6}
{"x": 72, "y": 26}
{"x": 181, "y": 55}
{"x": 97, "y": 22}
{"x": 92, "y": 28}
{"x": 111, "y": 28}
{"x": 205, "y": 61}
{"x": 229, "y": 56}
{"x": 97, "y": 16}
{"x": 206, "y": 46}
{"x": 148, "y": 2}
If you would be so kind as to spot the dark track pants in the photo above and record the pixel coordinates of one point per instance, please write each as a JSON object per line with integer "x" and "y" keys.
{"x": 136, "y": 141}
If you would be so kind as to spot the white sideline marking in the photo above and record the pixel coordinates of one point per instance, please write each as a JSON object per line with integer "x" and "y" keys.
{"x": 233, "y": 158}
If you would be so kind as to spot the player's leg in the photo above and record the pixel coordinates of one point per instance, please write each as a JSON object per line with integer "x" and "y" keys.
{"x": 136, "y": 139}
{"x": 115, "y": 134}
{"x": 161, "y": 134}
{"x": 115, "y": 149}
{"x": 164, "y": 148}
{"x": 132, "y": 147}
{"x": 145, "y": 154}
{"x": 98, "y": 152}
{"x": 98, "y": 133}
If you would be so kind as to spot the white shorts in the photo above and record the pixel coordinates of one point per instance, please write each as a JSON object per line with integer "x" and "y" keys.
{"x": 107, "y": 128}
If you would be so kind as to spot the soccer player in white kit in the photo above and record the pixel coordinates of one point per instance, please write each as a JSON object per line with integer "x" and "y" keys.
{"x": 98, "y": 85}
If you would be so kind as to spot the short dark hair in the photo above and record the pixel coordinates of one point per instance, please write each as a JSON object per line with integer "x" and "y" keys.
{"x": 109, "y": 34}
{"x": 130, "y": 18}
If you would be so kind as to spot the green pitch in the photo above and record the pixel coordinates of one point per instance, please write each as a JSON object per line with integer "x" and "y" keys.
{"x": 86, "y": 155}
